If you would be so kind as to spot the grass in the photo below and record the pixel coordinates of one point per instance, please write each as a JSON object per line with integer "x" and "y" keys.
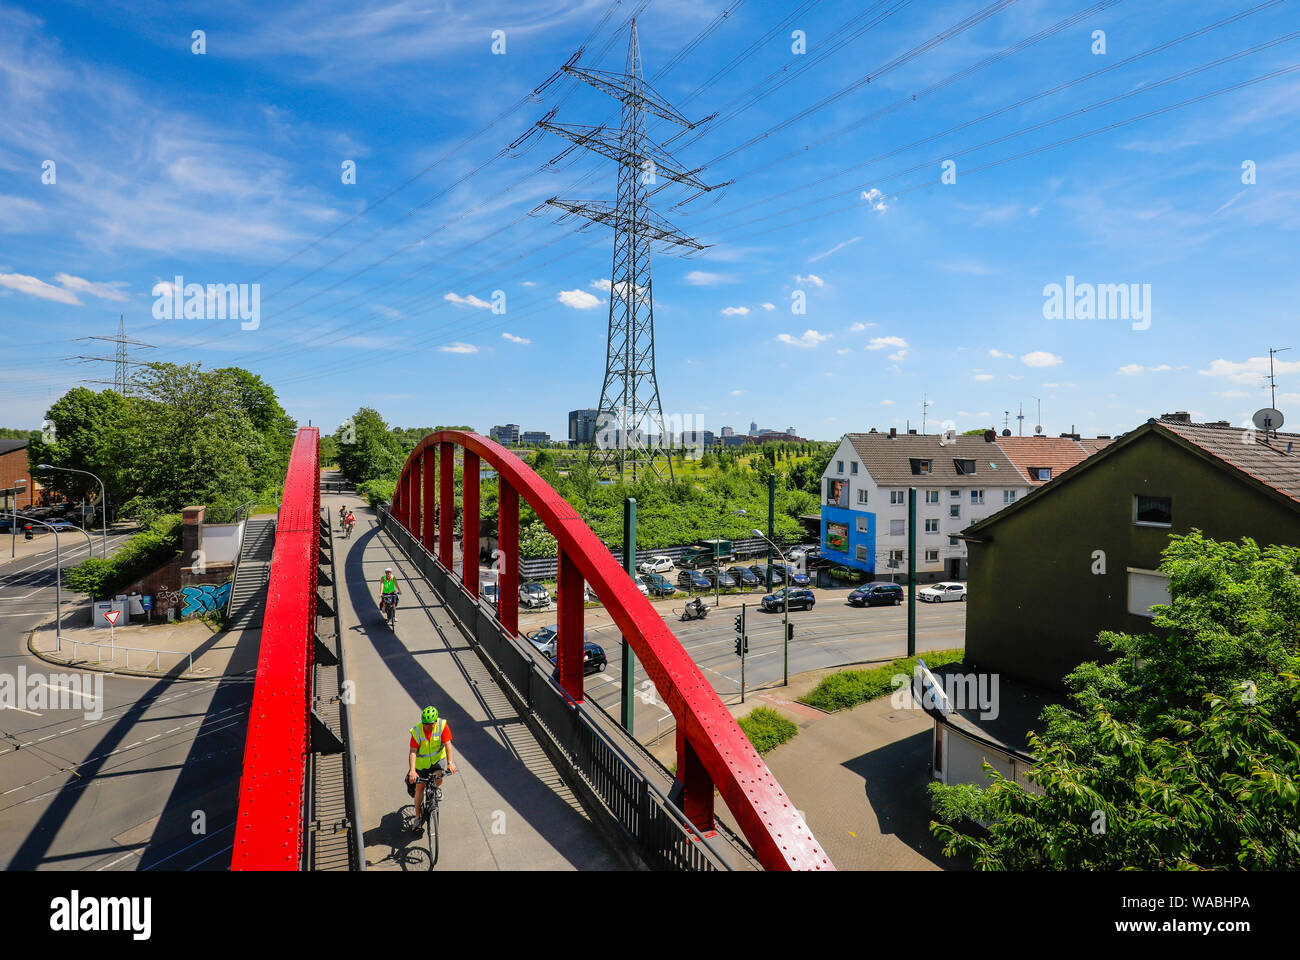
{"x": 848, "y": 688}
{"x": 767, "y": 729}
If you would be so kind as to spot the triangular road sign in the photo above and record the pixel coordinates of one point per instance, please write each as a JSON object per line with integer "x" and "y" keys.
{"x": 112, "y": 615}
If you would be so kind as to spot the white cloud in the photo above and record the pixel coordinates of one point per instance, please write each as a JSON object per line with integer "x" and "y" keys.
{"x": 835, "y": 249}
{"x": 37, "y": 288}
{"x": 1248, "y": 371}
{"x": 812, "y": 278}
{"x": 459, "y": 348}
{"x": 886, "y": 403}
{"x": 875, "y": 199}
{"x": 105, "y": 291}
{"x": 470, "y": 301}
{"x": 843, "y": 350}
{"x": 702, "y": 278}
{"x": 1040, "y": 358}
{"x": 859, "y": 327}
{"x": 1000, "y": 355}
{"x": 810, "y": 338}
{"x": 768, "y": 306}
{"x": 983, "y": 376}
{"x": 1231, "y": 394}
{"x": 528, "y": 283}
{"x": 735, "y": 311}
{"x": 880, "y": 343}
{"x": 578, "y": 299}
{"x": 513, "y": 339}
{"x": 1133, "y": 369}
{"x": 736, "y": 393}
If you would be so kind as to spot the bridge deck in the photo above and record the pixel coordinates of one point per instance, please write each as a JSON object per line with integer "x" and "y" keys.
{"x": 507, "y": 808}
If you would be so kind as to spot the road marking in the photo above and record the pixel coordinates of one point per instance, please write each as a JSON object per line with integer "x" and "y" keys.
{"x": 118, "y": 860}
{"x": 30, "y": 713}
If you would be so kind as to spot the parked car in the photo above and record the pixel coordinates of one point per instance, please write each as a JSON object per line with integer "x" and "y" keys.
{"x": 792, "y": 575}
{"x": 941, "y": 592}
{"x": 488, "y": 592}
{"x": 743, "y": 577}
{"x": 693, "y": 580}
{"x": 640, "y": 584}
{"x": 721, "y": 578}
{"x": 593, "y": 660}
{"x": 877, "y": 593}
{"x": 760, "y": 571}
{"x": 656, "y": 565}
{"x": 794, "y": 596}
{"x": 591, "y": 594}
{"x": 543, "y": 640}
{"x": 533, "y": 594}
{"x": 659, "y": 586}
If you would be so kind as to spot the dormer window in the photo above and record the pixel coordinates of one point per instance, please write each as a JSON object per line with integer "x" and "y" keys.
{"x": 922, "y": 467}
{"x": 1040, "y": 473}
{"x": 965, "y": 468}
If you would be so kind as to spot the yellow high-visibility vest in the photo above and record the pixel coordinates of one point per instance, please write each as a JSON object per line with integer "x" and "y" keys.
{"x": 429, "y": 749}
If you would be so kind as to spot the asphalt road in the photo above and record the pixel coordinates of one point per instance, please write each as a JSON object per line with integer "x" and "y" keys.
{"x": 142, "y": 774}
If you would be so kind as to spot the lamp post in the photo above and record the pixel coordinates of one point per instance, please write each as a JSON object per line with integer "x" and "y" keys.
{"x": 58, "y": 577}
{"x": 785, "y": 606}
{"x": 103, "y": 499}
{"x": 717, "y": 564}
{"x": 13, "y": 520}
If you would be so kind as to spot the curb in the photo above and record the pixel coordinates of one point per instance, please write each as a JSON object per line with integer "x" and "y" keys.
{"x": 123, "y": 672}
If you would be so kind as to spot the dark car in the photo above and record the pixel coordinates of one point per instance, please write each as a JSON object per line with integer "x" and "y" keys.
{"x": 593, "y": 659}
{"x": 795, "y": 597}
{"x": 877, "y": 593}
{"x": 794, "y": 576}
{"x": 743, "y": 577}
{"x": 721, "y": 578}
{"x": 658, "y": 585}
{"x": 693, "y": 580}
{"x": 760, "y": 571}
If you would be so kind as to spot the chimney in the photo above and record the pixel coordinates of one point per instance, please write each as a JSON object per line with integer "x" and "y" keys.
{"x": 1219, "y": 423}
{"x": 192, "y": 531}
{"x": 1103, "y": 436}
{"x": 1181, "y": 416}
{"x": 893, "y": 432}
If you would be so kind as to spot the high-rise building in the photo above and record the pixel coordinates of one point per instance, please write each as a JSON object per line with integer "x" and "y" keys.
{"x": 506, "y": 433}
{"x": 535, "y": 437}
{"x": 728, "y": 432}
{"x": 582, "y": 426}
{"x": 753, "y": 428}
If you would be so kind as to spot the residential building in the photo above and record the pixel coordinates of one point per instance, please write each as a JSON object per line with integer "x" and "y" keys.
{"x": 1041, "y": 458}
{"x": 582, "y": 426}
{"x": 16, "y": 481}
{"x": 959, "y": 481}
{"x": 534, "y": 437}
{"x": 1079, "y": 553}
{"x": 507, "y": 433}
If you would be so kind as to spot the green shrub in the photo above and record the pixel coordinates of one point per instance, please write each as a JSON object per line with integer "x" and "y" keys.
{"x": 848, "y": 688}
{"x": 140, "y": 555}
{"x": 377, "y": 492}
{"x": 767, "y": 729}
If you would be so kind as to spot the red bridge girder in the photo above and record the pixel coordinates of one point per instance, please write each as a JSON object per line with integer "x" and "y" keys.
{"x": 269, "y": 822}
{"x": 711, "y": 748}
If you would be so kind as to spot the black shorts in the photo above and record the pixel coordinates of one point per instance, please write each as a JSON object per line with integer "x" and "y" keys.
{"x": 422, "y": 775}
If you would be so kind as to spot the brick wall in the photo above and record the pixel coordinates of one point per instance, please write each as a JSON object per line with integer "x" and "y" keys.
{"x": 13, "y": 467}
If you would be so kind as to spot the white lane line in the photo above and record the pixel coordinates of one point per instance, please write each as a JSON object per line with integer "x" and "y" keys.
{"x": 117, "y": 861}
{"x": 30, "y": 713}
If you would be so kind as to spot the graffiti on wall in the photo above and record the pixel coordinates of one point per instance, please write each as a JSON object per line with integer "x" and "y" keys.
{"x": 204, "y": 598}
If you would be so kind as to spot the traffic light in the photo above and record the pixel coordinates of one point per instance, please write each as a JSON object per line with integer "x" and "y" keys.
{"x": 27, "y": 532}
{"x": 738, "y": 642}
{"x": 742, "y": 641}
{"x": 739, "y": 621}
{"x": 789, "y": 632}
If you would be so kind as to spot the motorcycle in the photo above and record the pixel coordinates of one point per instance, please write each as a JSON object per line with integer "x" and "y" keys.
{"x": 695, "y": 610}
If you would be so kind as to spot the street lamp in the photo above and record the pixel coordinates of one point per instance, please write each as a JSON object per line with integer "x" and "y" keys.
{"x": 58, "y": 577}
{"x": 13, "y": 510}
{"x": 103, "y": 498}
{"x": 717, "y": 564}
{"x": 785, "y": 606}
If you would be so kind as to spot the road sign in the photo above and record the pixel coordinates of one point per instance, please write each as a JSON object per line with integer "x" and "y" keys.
{"x": 111, "y": 616}
{"x": 147, "y": 602}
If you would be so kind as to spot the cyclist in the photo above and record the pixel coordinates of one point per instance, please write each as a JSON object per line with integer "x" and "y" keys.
{"x": 348, "y": 521}
{"x": 430, "y": 745}
{"x": 389, "y": 587}
{"x": 343, "y": 512}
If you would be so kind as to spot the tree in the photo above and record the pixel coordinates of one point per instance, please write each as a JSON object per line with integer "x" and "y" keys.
{"x": 1180, "y": 754}
{"x": 367, "y": 449}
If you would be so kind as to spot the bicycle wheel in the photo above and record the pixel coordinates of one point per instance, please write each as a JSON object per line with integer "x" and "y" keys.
{"x": 431, "y": 827}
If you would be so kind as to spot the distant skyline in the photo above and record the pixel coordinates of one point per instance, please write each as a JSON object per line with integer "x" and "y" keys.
{"x": 910, "y": 220}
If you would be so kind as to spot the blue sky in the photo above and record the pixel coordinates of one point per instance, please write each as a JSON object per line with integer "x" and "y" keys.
{"x": 226, "y": 167}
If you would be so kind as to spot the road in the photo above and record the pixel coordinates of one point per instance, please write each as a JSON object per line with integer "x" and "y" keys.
{"x": 141, "y": 774}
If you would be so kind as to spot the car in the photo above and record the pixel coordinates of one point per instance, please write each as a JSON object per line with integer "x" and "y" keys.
{"x": 721, "y": 578}
{"x": 693, "y": 580}
{"x": 533, "y": 594}
{"x": 877, "y": 593}
{"x": 941, "y": 592}
{"x": 659, "y": 586}
{"x": 543, "y": 640}
{"x": 488, "y": 592}
{"x": 640, "y": 585}
{"x": 743, "y": 577}
{"x": 795, "y": 597}
{"x": 591, "y": 594}
{"x": 760, "y": 571}
{"x": 656, "y": 565}
{"x": 792, "y": 575}
{"x": 593, "y": 660}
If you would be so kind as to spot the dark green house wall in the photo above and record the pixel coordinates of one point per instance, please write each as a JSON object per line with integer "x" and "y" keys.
{"x": 1034, "y": 607}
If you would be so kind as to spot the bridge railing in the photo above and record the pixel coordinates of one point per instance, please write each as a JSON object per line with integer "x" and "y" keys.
{"x": 659, "y": 830}
{"x": 712, "y": 751}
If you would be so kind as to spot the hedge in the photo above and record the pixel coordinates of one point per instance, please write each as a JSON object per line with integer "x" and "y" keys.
{"x": 140, "y": 555}
{"x": 767, "y": 729}
{"x": 848, "y": 688}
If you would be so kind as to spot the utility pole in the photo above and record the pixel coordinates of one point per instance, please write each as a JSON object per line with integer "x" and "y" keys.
{"x": 121, "y": 360}
{"x": 629, "y": 396}
{"x": 771, "y": 525}
{"x": 911, "y": 571}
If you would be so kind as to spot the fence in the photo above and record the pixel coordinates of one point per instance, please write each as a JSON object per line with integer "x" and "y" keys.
{"x": 660, "y": 832}
{"x": 544, "y": 568}
{"x": 127, "y": 651}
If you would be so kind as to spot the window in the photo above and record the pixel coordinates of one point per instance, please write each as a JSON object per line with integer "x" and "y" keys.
{"x": 1145, "y": 588}
{"x": 1153, "y": 511}
{"x": 965, "y": 468}
{"x": 952, "y": 541}
{"x": 932, "y": 496}
{"x": 839, "y": 466}
{"x": 954, "y": 494}
{"x": 1008, "y": 496}
{"x": 954, "y": 510}
{"x": 897, "y": 496}
{"x": 932, "y": 525}
{"x": 864, "y": 525}
{"x": 853, "y": 466}
{"x": 977, "y": 496}
{"x": 1040, "y": 473}
{"x": 932, "y": 556}
{"x": 862, "y": 496}
{"x": 922, "y": 467}
{"x": 896, "y": 528}
{"x": 895, "y": 558}
{"x": 862, "y": 552}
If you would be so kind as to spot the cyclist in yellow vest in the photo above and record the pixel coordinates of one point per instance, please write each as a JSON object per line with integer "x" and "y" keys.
{"x": 389, "y": 588}
{"x": 430, "y": 745}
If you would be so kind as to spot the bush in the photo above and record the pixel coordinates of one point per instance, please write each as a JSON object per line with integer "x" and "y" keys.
{"x": 377, "y": 492}
{"x": 767, "y": 729}
{"x": 848, "y": 688}
{"x": 142, "y": 554}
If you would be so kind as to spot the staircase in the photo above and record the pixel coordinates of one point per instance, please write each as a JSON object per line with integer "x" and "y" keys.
{"x": 248, "y": 595}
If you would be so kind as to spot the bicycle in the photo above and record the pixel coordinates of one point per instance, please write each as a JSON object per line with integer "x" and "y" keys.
{"x": 429, "y": 815}
{"x": 347, "y": 530}
{"x": 388, "y": 604}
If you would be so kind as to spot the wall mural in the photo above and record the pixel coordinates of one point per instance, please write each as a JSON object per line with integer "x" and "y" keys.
{"x": 204, "y": 598}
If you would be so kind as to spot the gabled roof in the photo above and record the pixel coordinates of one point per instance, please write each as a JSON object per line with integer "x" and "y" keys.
{"x": 888, "y": 460}
{"x": 1057, "y": 453}
{"x": 9, "y": 446}
{"x": 1263, "y": 464}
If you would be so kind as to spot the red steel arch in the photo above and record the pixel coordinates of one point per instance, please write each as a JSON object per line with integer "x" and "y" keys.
{"x": 712, "y": 751}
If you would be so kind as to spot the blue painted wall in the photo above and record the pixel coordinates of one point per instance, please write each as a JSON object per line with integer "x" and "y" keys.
{"x": 857, "y": 538}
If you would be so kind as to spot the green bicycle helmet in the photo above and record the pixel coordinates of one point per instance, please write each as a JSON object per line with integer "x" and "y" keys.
{"x": 430, "y": 715}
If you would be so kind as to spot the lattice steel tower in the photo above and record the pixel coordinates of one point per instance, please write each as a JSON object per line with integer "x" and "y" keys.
{"x": 629, "y": 399}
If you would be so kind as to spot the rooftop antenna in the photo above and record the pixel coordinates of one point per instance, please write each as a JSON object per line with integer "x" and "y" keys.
{"x": 1020, "y": 427}
{"x": 1272, "y": 378}
{"x": 925, "y": 404}
{"x": 1006, "y": 421}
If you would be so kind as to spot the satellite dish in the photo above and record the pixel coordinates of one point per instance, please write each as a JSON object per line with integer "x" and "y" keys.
{"x": 1038, "y": 429}
{"x": 1006, "y": 433}
{"x": 1269, "y": 419}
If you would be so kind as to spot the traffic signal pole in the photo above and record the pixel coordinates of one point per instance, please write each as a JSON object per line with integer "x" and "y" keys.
{"x": 742, "y": 648}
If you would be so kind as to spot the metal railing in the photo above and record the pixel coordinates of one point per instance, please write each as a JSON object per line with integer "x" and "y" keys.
{"x": 126, "y": 661}
{"x": 659, "y": 831}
